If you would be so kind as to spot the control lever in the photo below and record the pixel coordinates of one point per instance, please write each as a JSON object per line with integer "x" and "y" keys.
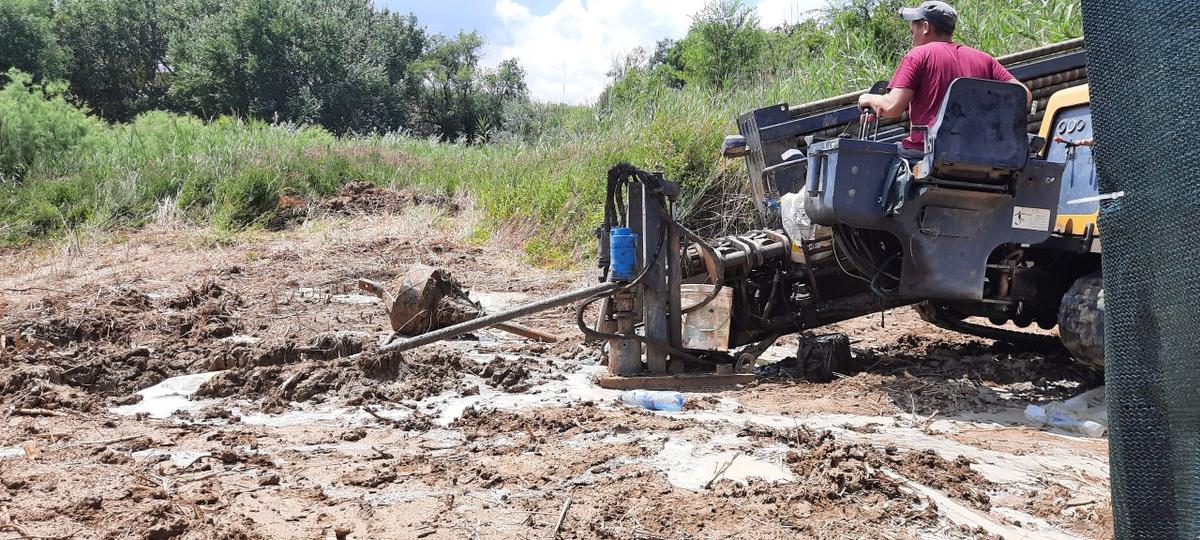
{"x": 868, "y": 121}
{"x": 868, "y": 125}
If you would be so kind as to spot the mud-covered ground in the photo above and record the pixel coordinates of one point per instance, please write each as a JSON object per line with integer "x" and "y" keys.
{"x": 278, "y": 418}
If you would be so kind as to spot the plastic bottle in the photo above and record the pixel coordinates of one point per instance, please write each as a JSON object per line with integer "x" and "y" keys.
{"x": 653, "y": 400}
{"x": 1085, "y": 413}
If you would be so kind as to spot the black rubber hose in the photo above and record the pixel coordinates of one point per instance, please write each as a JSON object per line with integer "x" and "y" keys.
{"x": 704, "y": 245}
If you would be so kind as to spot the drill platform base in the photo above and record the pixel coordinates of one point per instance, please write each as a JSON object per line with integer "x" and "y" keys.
{"x": 687, "y": 381}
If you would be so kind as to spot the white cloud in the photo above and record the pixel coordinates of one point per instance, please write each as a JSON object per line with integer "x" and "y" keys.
{"x": 773, "y": 13}
{"x": 510, "y": 11}
{"x": 567, "y": 51}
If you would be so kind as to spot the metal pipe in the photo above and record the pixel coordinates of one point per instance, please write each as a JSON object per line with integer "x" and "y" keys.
{"x": 504, "y": 316}
{"x": 1062, "y": 46}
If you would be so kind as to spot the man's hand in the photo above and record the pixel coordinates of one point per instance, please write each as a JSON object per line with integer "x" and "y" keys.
{"x": 866, "y": 102}
{"x": 890, "y": 105}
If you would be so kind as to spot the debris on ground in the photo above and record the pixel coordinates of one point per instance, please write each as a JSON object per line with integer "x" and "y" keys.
{"x": 1086, "y": 413}
{"x": 424, "y": 299}
{"x": 169, "y": 390}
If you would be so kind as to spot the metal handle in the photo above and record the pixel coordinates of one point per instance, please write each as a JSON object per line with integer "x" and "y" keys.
{"x": 816, "y": 169}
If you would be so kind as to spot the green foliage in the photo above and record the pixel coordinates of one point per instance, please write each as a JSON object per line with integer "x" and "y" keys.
{"x": 723, "y": 41}
{"x": 27, "y": 39}
{"x": 337, "y": 63}
{"x": 114, "y": 50}
{"x": 249, "y": 196}
{"x": 460, "y": 99}
{"x": 538, "y": 176}
{"x": 37, "y": 125}
{"x": 292, "y": 60}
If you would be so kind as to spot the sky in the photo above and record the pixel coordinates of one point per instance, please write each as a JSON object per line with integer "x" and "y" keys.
{"x": 567, "y": 46}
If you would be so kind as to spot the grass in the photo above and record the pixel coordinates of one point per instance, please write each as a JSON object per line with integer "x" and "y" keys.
{"x": 230, "y": 173}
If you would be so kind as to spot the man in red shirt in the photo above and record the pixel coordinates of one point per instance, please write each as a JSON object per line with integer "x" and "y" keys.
{"x": 926, "y": 71}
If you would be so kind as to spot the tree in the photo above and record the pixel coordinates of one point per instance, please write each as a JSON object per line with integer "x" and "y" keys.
{"x": 338, "y": 63}
{"x": 723, "y": 41}
{"x": 504, "y": 92}
{"x": 28, "y": 42}
{"x": 399, "y": 42}
{"x": 667, "y": 62}
{"x": 117, "y": 52}
{"x": 458, "y": 98}
{"x": 874, "y": 23}
{"x": 235, "y": 61}
{"x": 38, "y": 124}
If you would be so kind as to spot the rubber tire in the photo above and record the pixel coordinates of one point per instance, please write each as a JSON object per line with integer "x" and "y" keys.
{"x": 1081, "y": 320}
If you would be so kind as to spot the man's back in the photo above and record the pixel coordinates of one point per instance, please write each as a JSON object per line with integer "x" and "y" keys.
{"x": 928, "y": 70}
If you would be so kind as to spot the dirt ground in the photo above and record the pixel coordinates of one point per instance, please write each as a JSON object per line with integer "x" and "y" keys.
{"x": 278, "y": 418}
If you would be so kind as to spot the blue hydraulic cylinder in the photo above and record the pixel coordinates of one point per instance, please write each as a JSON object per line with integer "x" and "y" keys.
{"x": 623, "y": 250}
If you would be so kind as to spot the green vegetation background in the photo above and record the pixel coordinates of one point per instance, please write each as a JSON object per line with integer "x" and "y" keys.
{"x": 114, "y": 113}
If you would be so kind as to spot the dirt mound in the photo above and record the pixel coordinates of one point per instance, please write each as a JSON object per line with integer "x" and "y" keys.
{"x": 585, "y": 417}
{"x": 109, "y": 315}
{"x": 277, "y": 372}
{"x": 514, "y": 376}
{"x": 929, "y": 376}
{"x": 346, "y": 366}
{"x": 998, "y": 362}
{"x": 928, "y": 396}
{"x": 108, "y": 494}
{"x": 208, "y": 290}
{"x": 111, "y": 342}
{"x": 832, "y": 470}
{"x": 365, "y": 198}
{"x": 1057, "y": 504}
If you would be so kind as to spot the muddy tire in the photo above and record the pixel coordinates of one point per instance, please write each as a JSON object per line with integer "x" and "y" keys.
{"x": 1081, "y": 320}
{"x": 820, "y": 357}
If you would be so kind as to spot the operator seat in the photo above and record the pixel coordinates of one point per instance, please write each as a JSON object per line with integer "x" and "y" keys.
{"x": 979, "y": 136}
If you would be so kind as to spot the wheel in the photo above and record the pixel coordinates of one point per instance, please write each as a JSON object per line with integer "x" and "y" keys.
{"x": 1081, "y": 320}
{"x": 947, "y": 317}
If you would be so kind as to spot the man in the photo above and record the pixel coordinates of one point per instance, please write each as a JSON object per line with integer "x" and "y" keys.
{"x": 926, "y": 71}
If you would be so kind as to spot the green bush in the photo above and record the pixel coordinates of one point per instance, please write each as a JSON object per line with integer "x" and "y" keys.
{"x": 38, "y": 125}
{"x": 65, "y": 168}
{"x": 246, "y": 198}
{"x": 56, "y": 204}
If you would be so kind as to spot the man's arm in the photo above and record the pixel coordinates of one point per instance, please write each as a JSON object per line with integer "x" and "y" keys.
{"x": 1000, "y": 73}
{"x": 1028, "y": 94}
{"x": 890, "y": 105}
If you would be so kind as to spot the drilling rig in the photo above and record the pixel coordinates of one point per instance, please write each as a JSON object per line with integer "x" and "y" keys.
{"x": 994, "y": 226}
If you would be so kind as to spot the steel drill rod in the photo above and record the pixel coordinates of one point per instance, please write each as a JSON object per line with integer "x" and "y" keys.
{"x": 489, "y": 320}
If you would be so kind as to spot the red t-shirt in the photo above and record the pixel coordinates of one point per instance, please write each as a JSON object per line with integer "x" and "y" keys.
{"x": 928, "y": 71}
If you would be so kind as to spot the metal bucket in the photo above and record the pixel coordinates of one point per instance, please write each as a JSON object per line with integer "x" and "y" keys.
{"x": 708, "y": 327}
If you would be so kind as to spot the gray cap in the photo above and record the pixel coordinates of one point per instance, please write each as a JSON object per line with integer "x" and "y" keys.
{"x": 939, "y": 14}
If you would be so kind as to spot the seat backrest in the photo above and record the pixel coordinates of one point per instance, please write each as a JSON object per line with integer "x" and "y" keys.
{"x": 980, "y": 133}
